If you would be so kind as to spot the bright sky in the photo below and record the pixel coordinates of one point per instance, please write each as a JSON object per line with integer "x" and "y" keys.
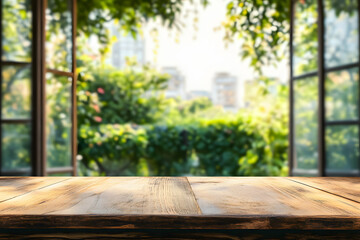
{"x": 200, "y": 59}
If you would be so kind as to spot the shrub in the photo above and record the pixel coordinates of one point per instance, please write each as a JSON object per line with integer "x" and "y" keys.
{"x": 235, "y": 147}
{"x": 129, "y": 96}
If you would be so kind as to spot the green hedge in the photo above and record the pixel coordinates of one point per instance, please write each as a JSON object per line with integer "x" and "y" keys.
{"x": 237, "y": 147}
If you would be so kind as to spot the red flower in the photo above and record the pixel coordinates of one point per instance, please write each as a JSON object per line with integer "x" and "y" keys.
{"x": 101, "y": 90}
{"x": 97, "y": 119}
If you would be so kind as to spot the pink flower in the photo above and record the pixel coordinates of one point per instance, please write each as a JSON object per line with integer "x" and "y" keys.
{"x": 101, "y": 90}
{"x": 97, "y": 119}
{"x": 96, "y": 108}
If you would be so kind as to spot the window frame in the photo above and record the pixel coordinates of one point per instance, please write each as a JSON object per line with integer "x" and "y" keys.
{"x": 321, "y": 74}
{"x": 38, "y": 95}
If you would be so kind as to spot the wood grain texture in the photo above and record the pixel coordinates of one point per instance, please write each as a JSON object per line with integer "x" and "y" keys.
{"x": 107, "y": 196}
{"x": 11, "y": 187}
{"x": 341, "y": 186}
{"x": 194, "y": 203}
{"x": 267, "y": 196}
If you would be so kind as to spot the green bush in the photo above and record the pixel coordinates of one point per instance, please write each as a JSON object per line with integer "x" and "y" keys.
{"x": 133, "y": 95}
{"x": 213, "y": 148}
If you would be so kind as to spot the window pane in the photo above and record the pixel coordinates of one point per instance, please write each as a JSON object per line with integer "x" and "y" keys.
{"x": 342, "y": 148}
{"x": 15, "y": 147}
{"x": 59, "y": 35}
{"x": 342, "y": 95}
{"x": 305, "y": 37}
{"x": 306, "y": 123}
{"x": 341, "y": 32}
{"x": 16, "y": 30}
{"x": 16, "y": 92}
{"x": 58, "y": 120}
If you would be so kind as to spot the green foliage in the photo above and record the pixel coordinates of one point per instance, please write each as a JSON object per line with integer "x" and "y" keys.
{"x": 58, "y": 121}
{"x": 126, "y": 127}
{"x": 219, "y": 144}
{"x": 180, "y": 111}
{"x": 305, "y": 40}
{"x": 16, "y": 145}
{"x": 175, "y": 137}
{"x": 128, "y": 96}
{"x": 264, "y": 28}
{"x": 195, "y": 105}
{"x": 263, "y": 25}
{"x": 306, "y": 123}
{"x": 16, "y": 28}
{"x": 268, "y": 114}
{"x": 211, "y": 147}
{"x": 112, "y": 150}
{"x": 168, "y": 150}
{"x": 130, "y": 14}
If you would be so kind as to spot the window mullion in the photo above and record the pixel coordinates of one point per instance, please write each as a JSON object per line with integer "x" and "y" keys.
{"x": 38, "y": 85}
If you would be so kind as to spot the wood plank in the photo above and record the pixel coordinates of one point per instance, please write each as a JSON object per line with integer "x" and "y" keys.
{"x": 11, "y": 187}
{"x": 107, "y": 196}
{"x": 348, "y": 187}
{"x": 169, "y": 203}
{"x": 267, "y": 196}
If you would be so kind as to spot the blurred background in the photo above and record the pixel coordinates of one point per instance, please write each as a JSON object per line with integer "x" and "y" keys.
{"x": 180, "y": 100}
{"x": 184, "y": 88}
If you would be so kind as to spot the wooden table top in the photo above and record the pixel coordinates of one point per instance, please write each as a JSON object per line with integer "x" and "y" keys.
{"x": 180, "y": 203}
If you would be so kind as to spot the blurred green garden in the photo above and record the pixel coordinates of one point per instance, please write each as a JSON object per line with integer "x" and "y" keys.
{"x": 126, "y": 126}
{"x": 125, "y": 123}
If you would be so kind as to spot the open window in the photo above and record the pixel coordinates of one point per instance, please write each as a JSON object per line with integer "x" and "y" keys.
{"x": 38, "y": 109}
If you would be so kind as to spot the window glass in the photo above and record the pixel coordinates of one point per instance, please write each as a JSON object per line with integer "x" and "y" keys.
{"x": 16, "y": 92}
{"x": 59, "y": 35}
{"x": 342, "y": 95}
{"x": 342, "y": 148}
{"x": 306, "y": 123}
{"x": 305, "y": 43}
{"x": 58, "y": 120}
{"x": 15, "y": 152}
{"x": 341, "y": 32}
{"x": 16, "y": 30}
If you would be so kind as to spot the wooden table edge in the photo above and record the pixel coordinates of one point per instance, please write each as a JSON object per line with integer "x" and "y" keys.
{"x": 226, "y": 222}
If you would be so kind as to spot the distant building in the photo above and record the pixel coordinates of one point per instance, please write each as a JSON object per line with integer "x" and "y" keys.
{"x": 176, "y": 84}
{"x": 198, "y": 94}
{"x": 124, "y": 47}
{"x": 225, "y": 92}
